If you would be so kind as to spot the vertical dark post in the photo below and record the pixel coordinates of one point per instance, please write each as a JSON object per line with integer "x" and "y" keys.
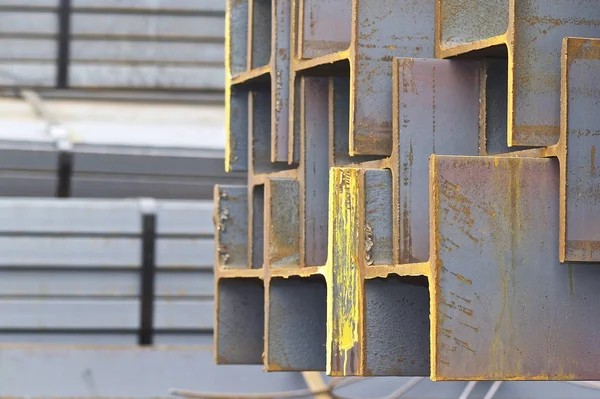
{"x": 64, "y": 168}
{"x": 148, "y": 274}
{"x": 64, "y": 44}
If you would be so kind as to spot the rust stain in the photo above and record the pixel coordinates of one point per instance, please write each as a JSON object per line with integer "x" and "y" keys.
{"x": 461, "y": 207}
{"x": 283, "y": 54}
{"x": 584, "y": 49}
{"x": 537, "y": 130}
{"x": 476, "y": 329}
{"x": 587, "y": 250}
{"x": 554, "y": 22}
{"x": 460, "y": 297}
{"x": 584, "y": 132}
{"x": 465, "y": 345}
{"x": 465, "y": 310}
{"x": 443, "y": 316}
{"x": 462, "y": 278}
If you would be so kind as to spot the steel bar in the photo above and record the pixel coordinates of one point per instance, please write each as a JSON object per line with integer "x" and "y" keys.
{"x": 529, "y": 35}
{"x": 130, "y": 156}
{"x": 429, "y": 121}
{"x": 580, "y": 131}
{"x": 282, "y": 199}
{"x": 507, "y": 332}
{"x": 114, "y": 45}
{"x": 347, "y": 245}
{"x": 362, "y": 41}
{"x": 73, "y": 267}
{"x": 231, "y": 222}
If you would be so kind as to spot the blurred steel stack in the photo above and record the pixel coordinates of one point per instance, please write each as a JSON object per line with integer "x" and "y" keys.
{"x": 111, "y": 150}
{"x": 109, "y": 44}
{"x": 77, "y": 271}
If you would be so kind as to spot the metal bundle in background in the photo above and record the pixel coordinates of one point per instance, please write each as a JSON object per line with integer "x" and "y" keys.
{"x": 106, "y": 44}
{"x": 73, "y": 271}
{"x": 99, "y": 149}
{"x": 408, "y": 214}
{"x": 85, "y": 282}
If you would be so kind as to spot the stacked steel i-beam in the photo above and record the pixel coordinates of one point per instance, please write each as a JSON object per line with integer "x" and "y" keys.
{"x": 423, "y": 191}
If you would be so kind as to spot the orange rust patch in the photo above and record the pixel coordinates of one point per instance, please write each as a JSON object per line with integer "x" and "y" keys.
{"x": 462, "y": 278}
{"x": 283, "y": 54}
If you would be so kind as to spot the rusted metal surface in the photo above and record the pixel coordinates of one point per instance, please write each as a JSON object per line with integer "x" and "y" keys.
{"x": 258, "y": 48}
{"x": 529, "y": 34}
{"x": 236, "y": 151}
{"x": 231, "y": 224}
{"x": 498, "y": 287}
{"x": 378, "y": 37}
{"x": 324, "y": 27}
{"x": 280, "y": 75}
{"x": 429, "y": 121}
{"x": 295, "y": 336}
{"x": 239, "y": 328}
{"x": 282, "y": 202}
{"x": 411, "y": 217}
{"x": 362, "y": 45}
{"x": 580, "y": 136}
{"x": 314, "y": 118}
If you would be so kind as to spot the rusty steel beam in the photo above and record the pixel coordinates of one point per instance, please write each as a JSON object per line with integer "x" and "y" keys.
{"x": 340, "y": 256}
{"x": 579, "y": 234}
{"x": 580, "y": 136}
{"x": 358, "y": 39}
{"x": 529, "y": 34}
{"x": 429, "y": 120}
{"x": 363, "y": 239}
{"x": 257, "y": 50}
{"x": 497, "y": 287}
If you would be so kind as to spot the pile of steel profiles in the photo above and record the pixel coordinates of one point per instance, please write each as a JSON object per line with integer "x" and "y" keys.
{"x": 76, "y": 271}
{"x": 422, "y": 189}
{"x": 174, "y": 45}
{"x": 98, "y": 149}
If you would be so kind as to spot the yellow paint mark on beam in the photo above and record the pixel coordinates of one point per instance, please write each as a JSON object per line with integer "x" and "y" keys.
{"x": 345, "y": 302}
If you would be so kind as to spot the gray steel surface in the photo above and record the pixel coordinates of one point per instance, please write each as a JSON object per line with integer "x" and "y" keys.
{"x": 430, "y": 121}
{"x": 69, "y": 283}
{"x": 103, "y": 314}
{"x": 126, "y": 372}
{"x": 116, "y": 45}
{"x": 145, "y": 5}
{"x": 504, "y": 306}
{"x": 580, "y": 132}
{"x": 120, "y": 150}
{"x": 72, "y": 265}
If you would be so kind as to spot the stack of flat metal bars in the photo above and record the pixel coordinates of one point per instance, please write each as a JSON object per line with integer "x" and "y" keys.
{"x": 72, "y": 272}
{"x": 109, "y": 44}
{"x": 98, "y": 149}
{"x": 408, "y": 213}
